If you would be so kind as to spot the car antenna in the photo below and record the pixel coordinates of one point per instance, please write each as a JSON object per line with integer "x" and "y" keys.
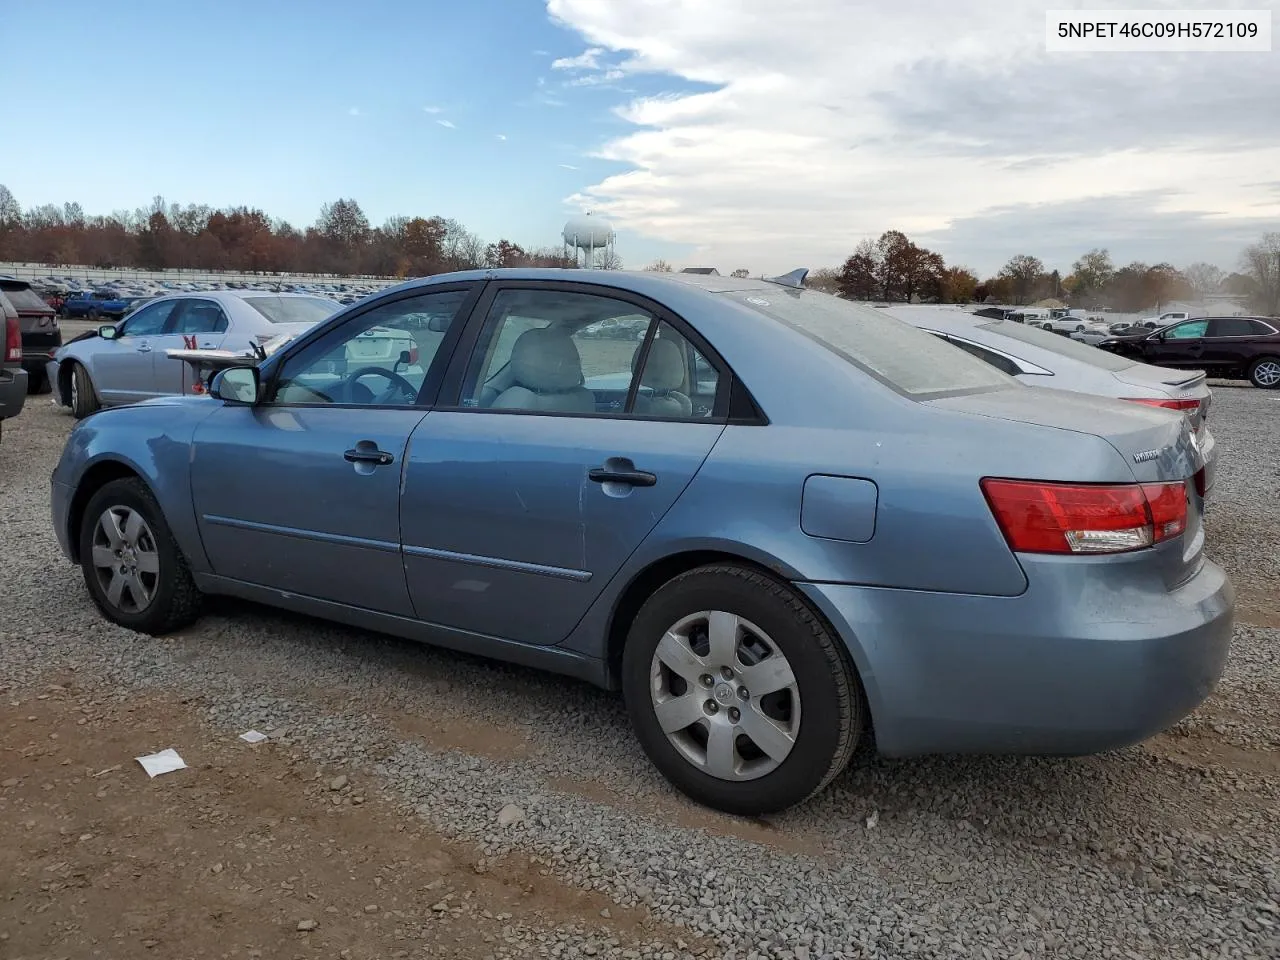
{"x": 793, "y": 279}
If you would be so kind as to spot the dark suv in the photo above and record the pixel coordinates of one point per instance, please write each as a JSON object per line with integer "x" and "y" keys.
{"x": 41, "y": 335}
{"x": 1230, "y": 348}
{"x": 13, "y": 379}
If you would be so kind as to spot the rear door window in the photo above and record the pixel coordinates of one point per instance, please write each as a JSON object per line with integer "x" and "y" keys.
{"x": 1236, "y": 327}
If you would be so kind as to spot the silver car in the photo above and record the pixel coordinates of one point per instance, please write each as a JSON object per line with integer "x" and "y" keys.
{"x": 126, "y": 362}
{"x": 1044, "y": 359}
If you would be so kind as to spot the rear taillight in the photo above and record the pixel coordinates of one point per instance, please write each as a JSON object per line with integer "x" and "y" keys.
{"x": 12, "y": 341}
{"x": 1042, "y": 517}
{"x": 413, "y": 356}
{"x": 1186, "y": 406}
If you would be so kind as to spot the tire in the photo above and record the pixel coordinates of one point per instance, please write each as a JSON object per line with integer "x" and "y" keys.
{"x": 84, "y": 399}
{"x": 92, "y": 314}
{"x": 36, "y": 383}
{"x": 1264, "y": 373}
{"x": 162, "y": 600}
{"x": 818, "y": 720}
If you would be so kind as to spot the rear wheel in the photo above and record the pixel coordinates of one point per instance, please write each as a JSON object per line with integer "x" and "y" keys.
{"x": 93, "y": 313}
{"x": 84, "y": 400}
{"x": 132, "y": 566}
{"x": 739, "y": 695}
{"x": 1265, "y": 373}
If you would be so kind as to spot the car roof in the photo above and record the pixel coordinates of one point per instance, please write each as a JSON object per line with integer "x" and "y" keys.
{"x": 636, "y": 281}
{"x": 231, "y": 295}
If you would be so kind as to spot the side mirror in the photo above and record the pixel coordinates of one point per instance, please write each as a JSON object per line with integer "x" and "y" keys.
{"x": 108, "y": 331}
{"x": 236, "y": 385}
{"x": 439, "y": 323}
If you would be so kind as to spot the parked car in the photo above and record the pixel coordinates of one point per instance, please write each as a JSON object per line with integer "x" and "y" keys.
{"x": 859, "y": 528}
{"x": 92, "y": 305}
{"x": 126, "y": 362}
{"x": 1041, "y": 358}
{"x": 1233, "y": 348}
{"x": 41, "y": 335}
{"x": 13, "y": 379}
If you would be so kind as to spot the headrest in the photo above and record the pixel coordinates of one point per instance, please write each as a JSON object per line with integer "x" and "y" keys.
{"x": 664, "y": 369}
{"x": 546, "y": 360}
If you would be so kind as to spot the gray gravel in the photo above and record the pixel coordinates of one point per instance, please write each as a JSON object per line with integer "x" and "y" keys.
{"x": 1168, "y": 850}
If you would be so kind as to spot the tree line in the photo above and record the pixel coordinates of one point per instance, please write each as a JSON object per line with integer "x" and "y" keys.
{"x": 894, "y": 268}
{"x": 198, "y": 237}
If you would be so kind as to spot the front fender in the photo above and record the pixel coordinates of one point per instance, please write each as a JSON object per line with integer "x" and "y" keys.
{"x": 151, "y": 440}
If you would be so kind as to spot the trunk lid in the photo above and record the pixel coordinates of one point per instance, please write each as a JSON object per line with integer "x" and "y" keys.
{"x": 1158, "y": 446}
{"x": 1175, "y": 384}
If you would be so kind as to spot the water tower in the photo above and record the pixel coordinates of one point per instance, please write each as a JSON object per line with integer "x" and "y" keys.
{"x": 590, "y": 235}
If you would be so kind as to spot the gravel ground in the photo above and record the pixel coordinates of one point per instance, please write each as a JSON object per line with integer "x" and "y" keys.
{"x": 1169, "y": 850}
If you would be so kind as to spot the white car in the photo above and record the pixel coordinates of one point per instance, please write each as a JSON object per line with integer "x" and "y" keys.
{"x": 126, "y": 362}
{"x": 1043, "y": 359}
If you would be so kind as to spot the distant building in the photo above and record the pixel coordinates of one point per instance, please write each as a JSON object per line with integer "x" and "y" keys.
{"x": 705, "y": 271}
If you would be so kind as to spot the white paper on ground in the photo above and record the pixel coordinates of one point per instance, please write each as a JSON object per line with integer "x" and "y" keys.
{"x": 253, "y": 736}
{"x": 166, "y": 761}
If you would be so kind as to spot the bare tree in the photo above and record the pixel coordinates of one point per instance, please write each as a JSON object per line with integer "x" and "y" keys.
{"x": 1023, "y": 273}
{"x": 343, "y": 222}
{"x": 1261, "y": 264}
{"x": 1205, "y": 279}
{"x": 608, "y": 260}
{"x": 659, "y": 266}
{"x": 741, "y": 273}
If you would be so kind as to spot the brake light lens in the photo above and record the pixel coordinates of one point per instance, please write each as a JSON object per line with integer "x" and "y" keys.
{"x": 1043, "y": 517}
{"x": 413, "y": 356}
{"x": 1186, "y": 406}
{"x": 12, "y": 341}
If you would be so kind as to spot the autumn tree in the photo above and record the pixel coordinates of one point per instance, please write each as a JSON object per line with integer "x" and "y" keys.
{"x": 1261, "y": 264}
{"x": 957, "y": 285}
{"x": 504, "y": 254}
{"x": 860, "y": 276}
{"x": 825, "y": 279}
{"x": 741, "y": 273}
{"x": 344, "y": 223}
{"x": 1023, "y": 272}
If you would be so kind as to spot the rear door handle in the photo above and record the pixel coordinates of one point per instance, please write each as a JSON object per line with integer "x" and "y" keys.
{"x": 634, "y": 478}
{"x": 368, "y": 455}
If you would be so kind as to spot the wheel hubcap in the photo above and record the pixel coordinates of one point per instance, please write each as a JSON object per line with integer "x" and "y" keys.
{"x": 125, "y": 559}
{"x": 1268, "y": 373}
{"x": 725, "y": 696}
{"x": 75, "y": 391}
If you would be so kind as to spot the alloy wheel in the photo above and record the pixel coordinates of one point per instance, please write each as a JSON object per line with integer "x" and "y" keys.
{"x": 725, "y": 695}
{"x": 125, "y": 559}
{"x": 1267, "y": 373}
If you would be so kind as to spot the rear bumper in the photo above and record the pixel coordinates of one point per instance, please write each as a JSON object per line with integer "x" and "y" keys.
{"x": 13, "y": 392}
{"x": 1056, "y": 670}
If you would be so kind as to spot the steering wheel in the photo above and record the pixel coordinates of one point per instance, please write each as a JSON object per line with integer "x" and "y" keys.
{"x": 397, "y": 386}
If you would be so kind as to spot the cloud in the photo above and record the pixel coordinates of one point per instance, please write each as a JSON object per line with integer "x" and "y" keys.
{"x": 596, "y": 79}
{"x": 947, "y": 120}
{"x": 447, "y": 123}
{"x": 433, "y": 110}
{"x": 542, "y": 53}
{"x": 567, "y": 166}
{"x": 587, "y": 60}
{"x": 353, "y": 112}
{"x": 501, "y": 136}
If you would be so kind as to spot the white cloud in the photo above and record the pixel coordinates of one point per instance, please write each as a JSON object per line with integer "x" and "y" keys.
{"x": 447, "y": 123}
{"x": 845, "y": 118}
{"x": 501, "y": 136}
{"x": 596, "y": 79}
{"x": 353, "y": 112}
{"x": 433, "y": 110}
{"x": 567, "y": 166}
{"x": 587, "y": 60}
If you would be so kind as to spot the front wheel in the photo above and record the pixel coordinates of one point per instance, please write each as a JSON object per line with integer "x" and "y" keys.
{"x": 1265, "y": 373}
{"x": 739, "y": 695}
{"x": 133, "y": 567}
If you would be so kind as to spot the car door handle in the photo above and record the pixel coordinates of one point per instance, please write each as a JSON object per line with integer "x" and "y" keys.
{"x": 143, "y": 348}
{"x": 634, "y": 478}
{"x": 370, "y": 455}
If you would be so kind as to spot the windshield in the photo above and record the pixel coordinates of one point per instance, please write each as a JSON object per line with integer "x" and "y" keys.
{"x": 907, "y": 359}
{"x": 294, "y": 309}
{"x": 1056, "y": 343}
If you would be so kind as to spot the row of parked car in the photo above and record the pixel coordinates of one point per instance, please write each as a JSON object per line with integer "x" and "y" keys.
{"x": 76, "y": 297}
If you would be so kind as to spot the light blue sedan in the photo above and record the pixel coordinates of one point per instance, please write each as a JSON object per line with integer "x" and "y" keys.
{"x": 777, "y": 522}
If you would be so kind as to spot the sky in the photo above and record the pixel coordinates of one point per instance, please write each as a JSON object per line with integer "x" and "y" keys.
{"x": 726, "y": 133}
